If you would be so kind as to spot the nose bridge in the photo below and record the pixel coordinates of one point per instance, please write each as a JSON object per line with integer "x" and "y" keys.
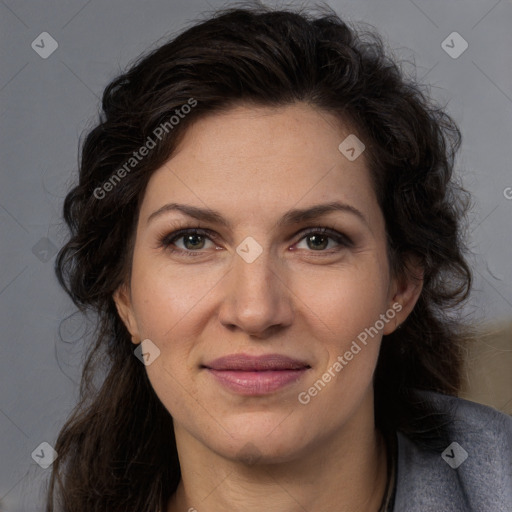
{"x": 254, "y": 270}
{"x": 255, "y": 298}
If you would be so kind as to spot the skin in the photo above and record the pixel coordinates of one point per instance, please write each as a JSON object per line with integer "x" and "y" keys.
{"x": 302, "y": 297}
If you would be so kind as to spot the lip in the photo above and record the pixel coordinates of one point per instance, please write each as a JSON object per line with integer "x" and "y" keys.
{"x": 265, "y": 362}
{"x": 256, "y": 375}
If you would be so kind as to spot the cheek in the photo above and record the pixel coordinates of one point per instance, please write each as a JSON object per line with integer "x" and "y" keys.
{"x": 343, "y": 301}
{"x": 165, "y": 295}
{"x": 345, "y": 307}
{"x": 165, "y": 306}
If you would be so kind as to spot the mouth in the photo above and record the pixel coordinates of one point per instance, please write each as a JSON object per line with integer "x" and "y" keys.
{"x": 256, "y": 375}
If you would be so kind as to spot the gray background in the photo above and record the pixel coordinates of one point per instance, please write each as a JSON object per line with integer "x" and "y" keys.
{"x": 47, "y": 103}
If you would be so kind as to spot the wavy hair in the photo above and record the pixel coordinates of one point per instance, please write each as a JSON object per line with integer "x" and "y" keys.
{"x": 117, "y": 450}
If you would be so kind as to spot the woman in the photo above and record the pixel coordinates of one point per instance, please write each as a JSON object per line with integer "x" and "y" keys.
{"x": 267, "y": 225}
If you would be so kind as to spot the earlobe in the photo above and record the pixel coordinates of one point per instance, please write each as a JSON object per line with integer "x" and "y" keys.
{"x": 124, "y": 308}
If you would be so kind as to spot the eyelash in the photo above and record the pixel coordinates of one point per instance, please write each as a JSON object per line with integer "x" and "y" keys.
{"x": 167, "y": 240}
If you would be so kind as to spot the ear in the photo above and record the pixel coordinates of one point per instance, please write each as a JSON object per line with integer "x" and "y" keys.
{"x": 122, "y": 299}
{"x": 404, "y": 292}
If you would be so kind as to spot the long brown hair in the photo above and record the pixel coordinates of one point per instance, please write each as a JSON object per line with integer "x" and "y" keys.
{"x": 117, "y": 450}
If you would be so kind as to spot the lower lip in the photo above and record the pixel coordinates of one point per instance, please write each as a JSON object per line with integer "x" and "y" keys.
{"x": 256, "y": 383}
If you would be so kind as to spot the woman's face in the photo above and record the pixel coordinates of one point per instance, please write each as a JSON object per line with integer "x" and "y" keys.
{"x": 257, "y": 280}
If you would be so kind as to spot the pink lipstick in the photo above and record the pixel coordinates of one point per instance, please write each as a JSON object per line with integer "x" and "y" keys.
{"x": 256, "y": 375}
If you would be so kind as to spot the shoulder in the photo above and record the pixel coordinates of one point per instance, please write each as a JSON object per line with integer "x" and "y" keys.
{"x": 474, "y": 471}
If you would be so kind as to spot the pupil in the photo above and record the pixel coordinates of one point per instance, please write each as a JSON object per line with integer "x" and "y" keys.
{"x": 191, "y": 238}
{"x": 316, "y": 238}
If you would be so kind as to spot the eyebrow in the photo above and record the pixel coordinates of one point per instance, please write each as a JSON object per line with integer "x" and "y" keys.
{"x": 294, "y": 216}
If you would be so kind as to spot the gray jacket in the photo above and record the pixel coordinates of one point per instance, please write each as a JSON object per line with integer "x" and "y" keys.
{"x": 472, "y": 474}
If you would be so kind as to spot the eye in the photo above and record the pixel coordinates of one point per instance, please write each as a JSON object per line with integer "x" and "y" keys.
{"x": 193, "y": 241}
{"x": 318, "y": 240}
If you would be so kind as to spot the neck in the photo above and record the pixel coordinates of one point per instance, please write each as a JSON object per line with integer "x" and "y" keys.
{"x": 345, "y": 472}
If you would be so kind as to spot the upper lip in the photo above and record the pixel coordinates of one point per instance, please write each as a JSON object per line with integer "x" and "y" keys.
{"x": 245, "y": 362}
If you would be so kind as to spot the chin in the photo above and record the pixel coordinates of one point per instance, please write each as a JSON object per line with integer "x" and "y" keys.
{"x": 264, "y": 440}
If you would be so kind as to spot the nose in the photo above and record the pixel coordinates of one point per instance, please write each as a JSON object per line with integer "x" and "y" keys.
{"x": 256, "y": 296}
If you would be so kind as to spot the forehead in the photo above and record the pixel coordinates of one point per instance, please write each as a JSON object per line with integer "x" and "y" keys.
{"x": 254, "y": 135}
{"x": 250, "y": 159}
